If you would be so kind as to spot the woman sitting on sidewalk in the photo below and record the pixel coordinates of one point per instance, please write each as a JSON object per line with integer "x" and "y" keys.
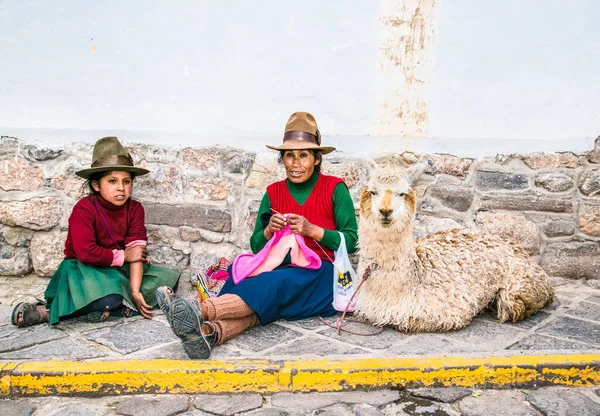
{"x": 105, "y": 269}
{"x": 308, "y": 205}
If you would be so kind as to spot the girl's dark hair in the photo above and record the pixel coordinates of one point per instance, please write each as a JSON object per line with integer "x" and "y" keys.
{"x": 316, "y": 153}
{"x": 95, "y": 177}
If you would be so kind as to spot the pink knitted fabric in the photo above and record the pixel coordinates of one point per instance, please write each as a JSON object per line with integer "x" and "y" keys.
{"x": 273, "y": 253}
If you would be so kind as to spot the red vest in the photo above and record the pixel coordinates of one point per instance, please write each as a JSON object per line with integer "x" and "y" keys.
{"x": 318, "y": 207}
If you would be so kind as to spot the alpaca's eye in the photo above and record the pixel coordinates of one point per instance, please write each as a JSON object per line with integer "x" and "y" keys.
{"x": 401, "y": 194}
{"x": 373, "y": 193}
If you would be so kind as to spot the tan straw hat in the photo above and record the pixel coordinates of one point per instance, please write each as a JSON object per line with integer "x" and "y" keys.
{"x": 301, "y": 132}
{"x": 109, "y": 154}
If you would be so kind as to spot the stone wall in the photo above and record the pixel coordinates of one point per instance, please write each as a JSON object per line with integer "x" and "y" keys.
{"x": 201, "y": 203}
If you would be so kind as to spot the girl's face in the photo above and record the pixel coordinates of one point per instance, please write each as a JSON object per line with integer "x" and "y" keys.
{"x": 299, "y": 165}
{"x": 115, "y": 187}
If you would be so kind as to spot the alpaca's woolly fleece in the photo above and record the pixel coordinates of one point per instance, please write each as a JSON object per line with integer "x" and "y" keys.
{"x": 439, "y": 282}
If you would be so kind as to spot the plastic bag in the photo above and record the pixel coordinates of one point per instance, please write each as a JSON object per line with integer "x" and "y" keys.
{"x": 345, "y": 280}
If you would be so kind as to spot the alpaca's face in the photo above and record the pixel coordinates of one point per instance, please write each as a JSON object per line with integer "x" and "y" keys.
{"x": 389, "y": 198}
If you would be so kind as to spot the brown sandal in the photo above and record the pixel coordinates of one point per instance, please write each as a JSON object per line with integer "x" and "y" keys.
{"x": 29, "y": 314}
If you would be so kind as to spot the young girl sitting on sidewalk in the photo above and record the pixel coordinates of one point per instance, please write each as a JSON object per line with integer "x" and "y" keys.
{"x": 105, "y": 269}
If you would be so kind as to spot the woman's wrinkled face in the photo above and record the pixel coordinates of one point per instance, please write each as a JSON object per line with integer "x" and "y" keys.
{"x": 115, "y": 187}
{"x": 299, "y": 165}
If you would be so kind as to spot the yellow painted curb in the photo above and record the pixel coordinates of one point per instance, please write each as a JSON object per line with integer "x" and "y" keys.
{"x": 261, "y": 376}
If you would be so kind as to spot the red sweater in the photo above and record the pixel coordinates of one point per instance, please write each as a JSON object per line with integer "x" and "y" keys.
{"x": 318, "y": 207}
{"x": 88, "y": 239}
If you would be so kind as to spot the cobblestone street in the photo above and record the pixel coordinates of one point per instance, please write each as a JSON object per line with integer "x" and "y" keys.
{"x": 452, "y": 401}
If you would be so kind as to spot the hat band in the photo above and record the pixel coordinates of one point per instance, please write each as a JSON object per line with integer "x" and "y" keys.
{"x": 303, "y": 136}
{"x": 113, "y": 160}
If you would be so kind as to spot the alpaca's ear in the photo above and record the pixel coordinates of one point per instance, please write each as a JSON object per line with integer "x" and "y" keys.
{"x": 365, "y": 202}
{"x": 414, "y": 172}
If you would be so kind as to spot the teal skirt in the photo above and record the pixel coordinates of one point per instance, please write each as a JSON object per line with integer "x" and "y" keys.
{"x": 75, "y": 285}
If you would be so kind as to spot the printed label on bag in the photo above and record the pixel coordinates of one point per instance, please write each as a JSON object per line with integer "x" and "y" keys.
{"x": 345, "y": 278}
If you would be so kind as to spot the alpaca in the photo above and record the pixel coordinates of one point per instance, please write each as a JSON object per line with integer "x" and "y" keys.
{"x": 439, "y": 282}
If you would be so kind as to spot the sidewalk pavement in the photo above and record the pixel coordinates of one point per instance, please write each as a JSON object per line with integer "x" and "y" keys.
{"x": 560, "y": 345}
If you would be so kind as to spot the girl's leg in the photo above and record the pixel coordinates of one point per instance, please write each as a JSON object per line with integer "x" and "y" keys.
{"x": 105, "y": 304}
{"x": 225, "y": 307}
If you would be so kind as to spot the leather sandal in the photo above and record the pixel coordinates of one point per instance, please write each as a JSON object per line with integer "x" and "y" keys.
{"x": 29, "y": 314}
{"x": 187, "y": 324}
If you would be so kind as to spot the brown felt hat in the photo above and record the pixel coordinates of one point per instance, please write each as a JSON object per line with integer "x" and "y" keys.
{"x": 109, "y": 154}
{"x": 301, "y": 132}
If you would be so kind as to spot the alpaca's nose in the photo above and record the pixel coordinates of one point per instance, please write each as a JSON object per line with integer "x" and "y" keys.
{"x": 386, "y": 212}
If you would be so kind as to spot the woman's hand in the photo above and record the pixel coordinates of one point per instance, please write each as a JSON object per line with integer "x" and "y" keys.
{"x": 300, "y": 225}
{"x": 277, "y": 222}
{"x": 135, "y": 253}
{"x": 143, "y": 308}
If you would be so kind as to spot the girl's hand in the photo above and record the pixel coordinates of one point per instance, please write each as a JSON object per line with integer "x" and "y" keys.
{"x": 302, "y": 226}
{"x": 143, "y": 308}
{"x": 135, "y": 253}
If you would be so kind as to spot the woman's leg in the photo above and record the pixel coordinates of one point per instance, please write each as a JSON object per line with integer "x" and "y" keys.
{"x": 231, "y": 328}
{"x": 225, "y": 307}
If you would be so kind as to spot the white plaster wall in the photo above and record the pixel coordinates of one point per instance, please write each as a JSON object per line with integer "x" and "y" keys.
{"x": 516, "y": 69}
{"x": 230, "y": 72}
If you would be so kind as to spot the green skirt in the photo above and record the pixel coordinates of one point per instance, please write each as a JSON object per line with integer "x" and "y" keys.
{"x": 75, "y": 285}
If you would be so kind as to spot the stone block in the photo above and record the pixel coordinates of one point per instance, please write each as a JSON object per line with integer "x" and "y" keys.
{"x": 594, "y": 155}
{"x": 14, "y": 339}
{"x": 132, "y": 336}
{"x": 14, "y": 251}
{"x": 492, "y": 181}
{"x": 304, "y": 402}
{"x": 511, "y": 226}
{"x": 152, "y": 154}
{"x": 162, "y": 235}
{"x": 168, "y": 257}
{"x": 40, "y": 154}
{"x": 457, "y": 198}
{"x": 73, "y": 186}
{"x": 205, "y": 254}
{"x": 163, "y": 405}
{"x": 497, "y": 402}
{"x": 585, "y": 310}
{"x": 538, "y": 342}
{"x": 315, "y": 347}
{"x": 261, "y": 337}
{"x": 265, "y": 171}
{"x": 47, "y": 251}
{"x": 227, "y": 404}
{"x": 573, "y": 329}
{"x": 559, "y": 402}
{"x": 163, "y": 183}
{"x": 554, "y": 181}
{"x": 589, "y": 184}
{"x": 446, "y": 395}
{"x": 36, "y": 213}
{"x": 202, "y": 159}
{"x": 448, "y": 164}
{"x": 551, "y": 160}
{"x": 559, "y": 228}
{"x": 351, "y": 172}
{"x": 16, "y": 236}
{"x": 513, "y": 202}
{"x": 211, "y": 189}
{"x": 12, "y": 408}
{"x": 18, "y": 175}
{"x": 572, "y": 260}
{"x": 192, "y": 215}
{"x": 60, "y": 349}
{"x": 589, "y": 219}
